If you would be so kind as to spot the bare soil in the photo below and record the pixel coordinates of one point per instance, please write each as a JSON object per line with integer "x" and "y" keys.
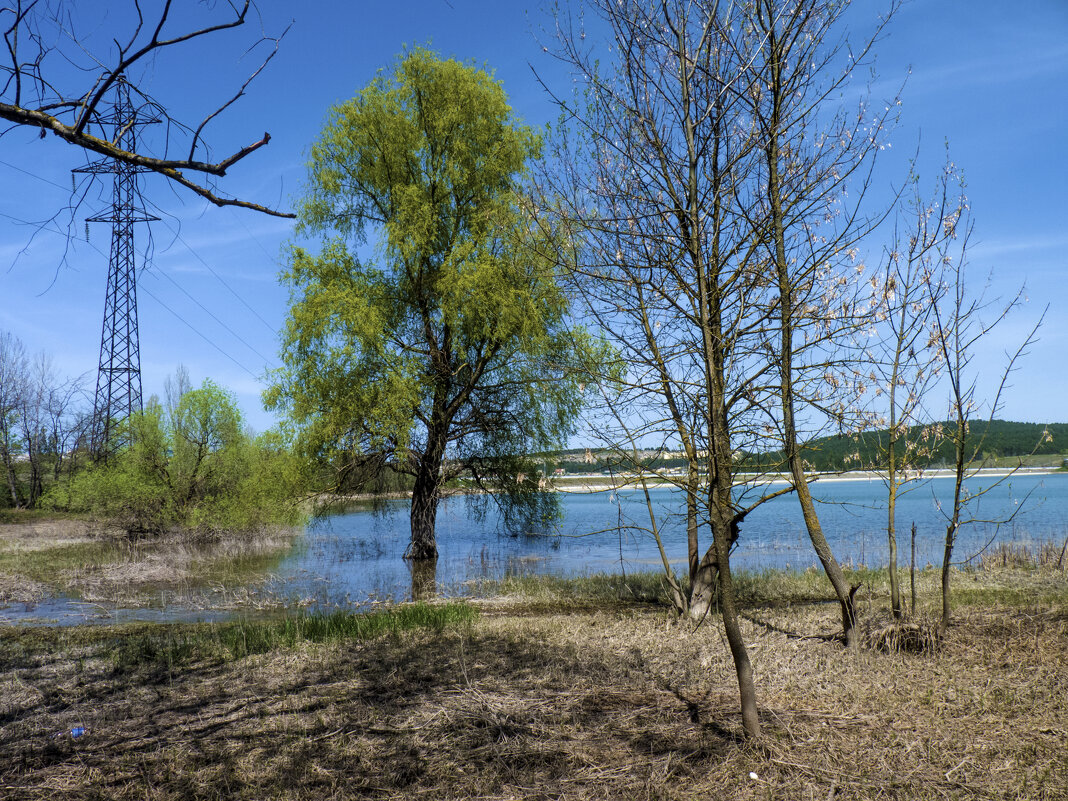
{"x": 621, "y": 703}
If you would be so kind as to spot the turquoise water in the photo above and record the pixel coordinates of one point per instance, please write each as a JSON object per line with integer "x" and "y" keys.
{"x": 354, "y": 558}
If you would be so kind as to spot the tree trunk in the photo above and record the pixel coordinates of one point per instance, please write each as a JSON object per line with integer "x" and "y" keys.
{"x": 11, "y": 485}
{"x": 891, "y": 541}
{"x": 12, "y": 482}
{"x": 823, "y": 550}
{"x": 424, "y": 578}
{"x": 424, "y": 514}
{"x": 960, "y": 439}
{"x": 703, "y": 586}
{"x": 36, "y": 483}
{"x": 912, "y": 569}
{"x": 787, "y": 289}
{"x": 692, "y": 482}
{"x": 742, "y": 666}
{"x": 951, "y": 532}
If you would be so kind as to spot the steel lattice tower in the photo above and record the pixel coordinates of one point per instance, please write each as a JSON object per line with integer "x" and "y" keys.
{"x": 118, "y": 380}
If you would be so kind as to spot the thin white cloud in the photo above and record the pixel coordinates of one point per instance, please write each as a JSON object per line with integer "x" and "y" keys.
{"x": 1053, "y": 243}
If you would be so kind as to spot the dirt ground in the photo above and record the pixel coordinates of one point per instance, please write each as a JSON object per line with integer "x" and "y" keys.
{"x": 620, "y": 703}
{"x": 36, "y": 536}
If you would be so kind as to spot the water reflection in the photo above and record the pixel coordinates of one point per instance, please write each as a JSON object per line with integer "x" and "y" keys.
{"x": 424, "y": 579}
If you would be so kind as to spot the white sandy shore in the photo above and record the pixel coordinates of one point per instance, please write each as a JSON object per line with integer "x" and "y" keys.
{"x": 599, "y": 483}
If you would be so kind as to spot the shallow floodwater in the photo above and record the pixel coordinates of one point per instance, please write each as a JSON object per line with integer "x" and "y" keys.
{"x": 354, "y": 558}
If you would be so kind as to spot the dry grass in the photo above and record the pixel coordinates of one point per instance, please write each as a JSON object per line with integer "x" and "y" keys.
{"x": 541, "y": 703}
{"x": 39, "y": 559}
{"x": 1048, "y": 554}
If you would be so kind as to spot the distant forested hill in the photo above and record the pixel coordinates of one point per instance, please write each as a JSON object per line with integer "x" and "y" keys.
{"x": 865, "y": 451}
{"x": 998, "y": 439}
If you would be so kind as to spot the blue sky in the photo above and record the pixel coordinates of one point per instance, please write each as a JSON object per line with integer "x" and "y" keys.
{"x": 989, "y": 77}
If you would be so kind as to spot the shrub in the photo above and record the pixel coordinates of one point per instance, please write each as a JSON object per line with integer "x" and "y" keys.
{"x": 193, "y": 467}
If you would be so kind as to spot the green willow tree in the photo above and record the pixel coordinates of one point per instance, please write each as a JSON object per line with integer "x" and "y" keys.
{"x": 449, "y": 353}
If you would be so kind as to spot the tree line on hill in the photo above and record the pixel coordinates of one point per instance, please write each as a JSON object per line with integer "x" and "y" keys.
{"x": 864, "y": 450}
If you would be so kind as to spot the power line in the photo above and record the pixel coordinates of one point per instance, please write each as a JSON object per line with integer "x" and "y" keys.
{"x": 207, "y": 311}
{"x": 180, "y": 238}
{"x": 192, "y": 328}
{"x": 32, "y": 175}
{"x": 55, "y": 229}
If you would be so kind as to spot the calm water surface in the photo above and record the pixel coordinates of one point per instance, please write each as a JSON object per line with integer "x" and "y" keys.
{"x": 354, "y": 558}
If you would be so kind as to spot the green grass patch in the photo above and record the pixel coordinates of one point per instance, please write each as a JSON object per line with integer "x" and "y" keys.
{"x": 173, "y": 646}
{"x": 771, "y": 586}
{"x": 592, "y": 590}
{"x": 235, "y": 566}
{"x": 779, "y": 587}
{"x": 1009, "y": 587}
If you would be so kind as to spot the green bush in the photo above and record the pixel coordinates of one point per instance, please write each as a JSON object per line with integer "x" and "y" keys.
{"x": 194, "y": 467}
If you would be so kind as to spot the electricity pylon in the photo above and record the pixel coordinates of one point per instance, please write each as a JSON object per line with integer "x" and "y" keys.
{"x": 118, "y": 379}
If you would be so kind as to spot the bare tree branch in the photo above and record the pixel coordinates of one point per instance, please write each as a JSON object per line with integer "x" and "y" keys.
{"x": 36, "y": 90}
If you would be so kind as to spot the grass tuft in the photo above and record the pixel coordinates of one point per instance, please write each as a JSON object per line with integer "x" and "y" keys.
{"x": 596, "y": 589}
{"x": 233, "y": 640}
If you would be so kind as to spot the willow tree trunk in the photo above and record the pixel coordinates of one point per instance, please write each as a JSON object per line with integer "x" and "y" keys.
{"x": 424, "y": 578}
{"x": 423, "y": 517}
{"x": 425, "y": 496}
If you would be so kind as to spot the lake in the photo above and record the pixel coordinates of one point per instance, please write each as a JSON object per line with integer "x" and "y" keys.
{"x": 354, "y": 558}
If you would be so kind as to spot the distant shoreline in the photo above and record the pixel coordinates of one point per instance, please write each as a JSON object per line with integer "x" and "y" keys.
{"x": 592, "y": 483}
{"x": 580, "y": 482}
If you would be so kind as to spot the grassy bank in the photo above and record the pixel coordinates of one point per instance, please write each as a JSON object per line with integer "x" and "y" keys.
{"x": 558, "y": 689}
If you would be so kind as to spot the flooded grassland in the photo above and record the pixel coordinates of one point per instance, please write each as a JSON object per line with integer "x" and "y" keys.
{"x": 69, "y": 570}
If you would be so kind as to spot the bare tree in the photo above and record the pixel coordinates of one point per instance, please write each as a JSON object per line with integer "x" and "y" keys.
{"x": 811, "y": 151}
{"x": 174, "y": 388}
{"x": 55, "y": 79}
{"x": 965, "y": 320}
{"x": 666, "y": 266}
{"x": 908, "y": 361}
{"x": 40, "y": 421}
{"x": 13, "y": 366}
